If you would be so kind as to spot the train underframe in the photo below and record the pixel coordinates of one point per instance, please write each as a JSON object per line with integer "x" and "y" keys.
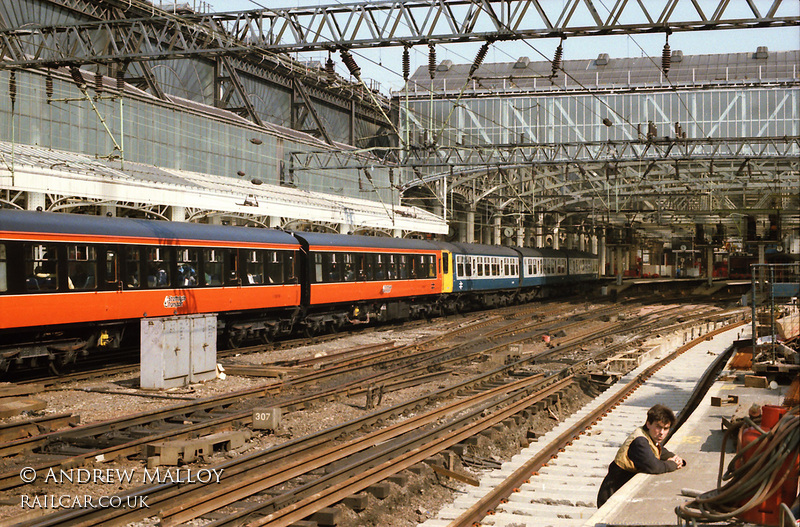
{"x": 60, "y": 348}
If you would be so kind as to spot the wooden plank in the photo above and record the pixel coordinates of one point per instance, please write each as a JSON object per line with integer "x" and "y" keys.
{"x": 8, "y": 389}
{"x": 10, "y": 407}
{"x": 455, "y": 475}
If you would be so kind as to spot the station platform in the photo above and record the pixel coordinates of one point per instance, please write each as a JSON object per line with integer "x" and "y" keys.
{"x": 651, "y": 500}
{"x": 694, "y": 286}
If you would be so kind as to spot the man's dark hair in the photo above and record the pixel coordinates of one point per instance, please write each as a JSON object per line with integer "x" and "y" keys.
{"x": 660, "y": 414}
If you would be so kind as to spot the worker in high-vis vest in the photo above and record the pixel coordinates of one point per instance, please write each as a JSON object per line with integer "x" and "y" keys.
{"x": 642, "y": 452}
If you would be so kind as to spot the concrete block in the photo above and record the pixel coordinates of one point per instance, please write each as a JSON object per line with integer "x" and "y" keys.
{"x": 266, "y": 418}
{"x": 380, "y": 490}
{"x": 755, "y": 381}
{"x": 329, "y": 516}
{"x": 458, "y": 449}
{"x": 357, "y": 502}
{"x": 172, "y": 453}
{"x": 398, "y": 479}
{"x": 420, "y": 469}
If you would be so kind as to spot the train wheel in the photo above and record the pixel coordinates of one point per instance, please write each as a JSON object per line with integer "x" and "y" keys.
{"x": 311, "y": 329}
{"x": 53, "y": 368}
{"x": 267, "y": 336}
{"x": 235, "y": 339}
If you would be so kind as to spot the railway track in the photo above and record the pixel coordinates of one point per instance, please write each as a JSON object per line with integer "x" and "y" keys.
{"x": 540, "y": 485}
{"x": 393, "y": 370}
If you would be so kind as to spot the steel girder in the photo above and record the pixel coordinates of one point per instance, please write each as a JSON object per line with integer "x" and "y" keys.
{"x": 148, "y": 35}
{"x": 387, "y": 23}
{"x": 685, "y": 177}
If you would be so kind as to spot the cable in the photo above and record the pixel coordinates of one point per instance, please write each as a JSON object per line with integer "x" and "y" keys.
{"x": 756, "y": 472}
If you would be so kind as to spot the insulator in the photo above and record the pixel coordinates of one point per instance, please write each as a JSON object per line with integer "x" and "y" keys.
{"x": 121, "y": 80}
{"x": 48, "y": 85}
{"x": 330, "y": 70}
{"x": 432, "y": 60}
{"x": 406, "y": 64}
{"x": 666, "y": 58}
{"x": 98, "y": 82}
{"x": 12, "y": 86}
{"x": 479, "y": 58}
{"x": 77, "y": 76}
{"x": 557, "y": 59}
{"x": 350, "y": 62}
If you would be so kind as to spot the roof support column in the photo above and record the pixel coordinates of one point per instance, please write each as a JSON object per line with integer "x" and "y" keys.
{"x": 601, "y": 253}
{"x": 109, "y": 209}
{"x": 274, "y": 222}
{"x": 471, "y": 225}
{"x": 496, "y": 230}
{"x": 35, "y": 201}
{"x": 710, "y": 265}
{"x": 177, "y": 213}
{"x": 520, "y": 231}
{"x": 528, "y": 235}
{"x": 540, "y": 230}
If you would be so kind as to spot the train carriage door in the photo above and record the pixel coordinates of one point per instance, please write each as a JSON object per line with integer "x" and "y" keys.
{"x": 232, "y": 271}
{"x": 447, "y": 272}
{"x": 112, "y": 278}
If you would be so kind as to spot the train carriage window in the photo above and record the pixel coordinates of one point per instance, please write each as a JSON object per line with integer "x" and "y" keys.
{"x": 290, "y": 273}
{"x": 469, "y": 267}
{"x": 495, "y": 266}
{"x": 364, "y": 267}
{"x": 158, "y": 262}
{"x": 41, "y": 267}
{"x": 332, "y": 267}
{"x": 391, "y": 267}
{"x": 381, "y": 261}
{"x": 429, "y": 266}
{"x": 187, "y": 267}
{"x": 479, "y": 265}
{"x": 414, "y": 266}
{"x": 276, "y": 267}
{"x": 349, "y": 267}
{"x": 3, "y": 268}
{"x": 81, "y": 267}
{"x": 318, "y": 268}
{"x": 403, "y": 266}
{"x": 213, "y": 266}
{"x": 133, "y": 268}
{"x": 460, "y": 266}
{"x": 112, "y": 268}
{"x": 254, "y": 263}
{"x": 380, "y": 266}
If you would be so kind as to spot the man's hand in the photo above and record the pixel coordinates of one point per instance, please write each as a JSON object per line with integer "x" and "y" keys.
{"x": 678, "y": 461}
